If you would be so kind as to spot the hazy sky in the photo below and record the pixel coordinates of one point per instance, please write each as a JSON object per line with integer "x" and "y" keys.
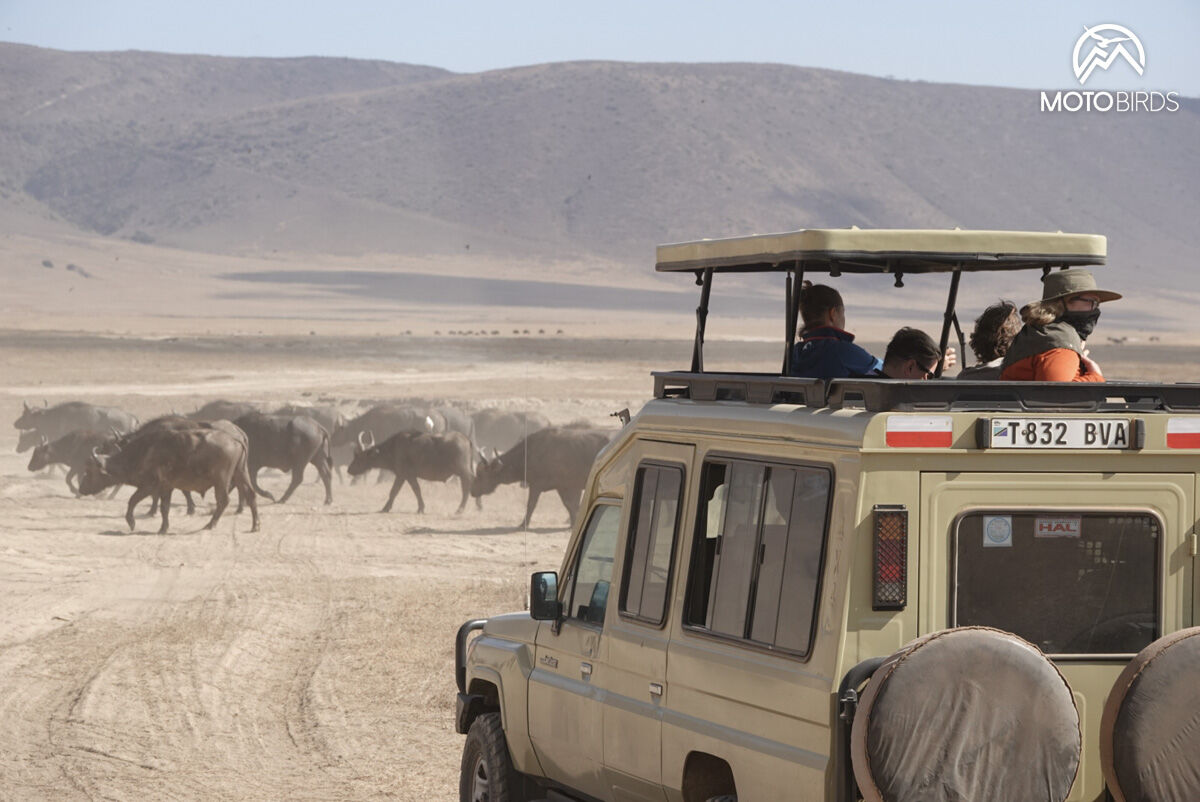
{"x": 1013, "y": 43}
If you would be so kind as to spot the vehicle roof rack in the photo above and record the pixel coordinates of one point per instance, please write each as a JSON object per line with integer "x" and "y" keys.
{"x": 883, "y": 395}
{"x": 894, "y": 395}
{"x": 884, "y": 250}
{"x": 753, "y": 388}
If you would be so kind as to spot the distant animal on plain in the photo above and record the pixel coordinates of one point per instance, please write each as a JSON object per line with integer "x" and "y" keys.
{"x": 556, "y": 458}
{"x": 73, "y": 449}
{"x": 502, "y": 429}
{"x": 222, "y": 410}
{"x": 62, "y": 419}
{"x": 165, "y": 459}
{"x": 289, "y": 443}
{"x": 417, "y": 455}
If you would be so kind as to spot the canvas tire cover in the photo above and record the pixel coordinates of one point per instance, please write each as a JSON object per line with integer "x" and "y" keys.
{"x": 966, "y": 714}
{"x": 1151, "y": 724}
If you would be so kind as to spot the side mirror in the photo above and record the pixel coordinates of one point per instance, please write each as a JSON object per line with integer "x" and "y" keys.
{"x": 543, "y": 596}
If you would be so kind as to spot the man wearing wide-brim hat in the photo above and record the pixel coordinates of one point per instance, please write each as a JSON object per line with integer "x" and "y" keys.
{"x": 1050, "y": 346}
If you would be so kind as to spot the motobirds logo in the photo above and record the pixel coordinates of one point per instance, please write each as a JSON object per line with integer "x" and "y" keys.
{"x": 1101, "y": 47}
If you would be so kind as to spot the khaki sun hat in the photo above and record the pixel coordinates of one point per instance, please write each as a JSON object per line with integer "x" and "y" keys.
{"x": 1073, "y": 281}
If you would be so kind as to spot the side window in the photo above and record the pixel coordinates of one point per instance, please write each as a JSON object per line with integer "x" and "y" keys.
{"x": 756, "y": 562}
{"x": 586, "y": 593}
{"x": 651, "y": 542}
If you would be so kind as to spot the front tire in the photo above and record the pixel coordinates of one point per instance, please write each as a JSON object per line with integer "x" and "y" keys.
{"x": 487, "y": 770}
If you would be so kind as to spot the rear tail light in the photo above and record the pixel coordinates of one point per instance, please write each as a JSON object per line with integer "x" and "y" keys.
{"x": 891, "y": 557}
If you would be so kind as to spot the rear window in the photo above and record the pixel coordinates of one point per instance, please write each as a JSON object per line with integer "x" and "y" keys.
{"x": 1074, "y": 583}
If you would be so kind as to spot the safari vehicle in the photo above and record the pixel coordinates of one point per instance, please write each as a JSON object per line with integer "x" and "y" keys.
{"x": 761, "y": 558}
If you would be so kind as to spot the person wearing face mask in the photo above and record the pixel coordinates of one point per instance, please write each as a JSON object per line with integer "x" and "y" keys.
{"x": 1050, "y": 346}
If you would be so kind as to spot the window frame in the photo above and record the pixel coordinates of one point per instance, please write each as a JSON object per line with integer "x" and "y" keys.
{"x": 698, "y": 539}
{"x": 572, "y": 563}
{"x": 1160, "y": 613}
{"x": 634, "y": 510}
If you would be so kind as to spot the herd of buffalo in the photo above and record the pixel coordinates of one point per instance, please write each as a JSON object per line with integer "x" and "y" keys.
{"x": 223, "y": 446}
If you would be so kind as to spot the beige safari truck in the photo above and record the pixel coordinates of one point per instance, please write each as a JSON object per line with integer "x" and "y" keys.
{"x": 786, "y": 589}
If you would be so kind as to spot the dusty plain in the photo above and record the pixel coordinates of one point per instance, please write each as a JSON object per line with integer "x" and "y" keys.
{"x": 313, "y": 659}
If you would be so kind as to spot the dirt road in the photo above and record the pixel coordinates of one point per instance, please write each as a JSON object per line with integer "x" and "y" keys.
{"x": 313, "y": 659}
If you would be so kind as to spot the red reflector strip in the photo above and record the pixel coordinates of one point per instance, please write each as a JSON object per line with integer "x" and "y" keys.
{"x": 1183, "y": 433}
{"x": 919, "y": 431}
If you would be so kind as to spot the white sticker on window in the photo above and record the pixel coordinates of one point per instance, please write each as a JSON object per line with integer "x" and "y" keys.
{"x": 997, "y": 531}
{"x": 1069, "y": 526}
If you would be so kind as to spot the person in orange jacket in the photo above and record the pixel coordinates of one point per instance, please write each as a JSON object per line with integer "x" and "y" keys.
{"x": 1050, "y": 347}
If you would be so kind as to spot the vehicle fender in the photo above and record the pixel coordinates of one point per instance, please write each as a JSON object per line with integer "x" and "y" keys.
{"x": 507, "y": 665}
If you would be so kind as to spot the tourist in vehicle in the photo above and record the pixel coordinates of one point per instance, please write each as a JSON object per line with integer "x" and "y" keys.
{"x": 990, "y": 340}
{"x": 826, "y": 350}
{"x": 912, "y": 354}
{"x": 1050, "y": 347}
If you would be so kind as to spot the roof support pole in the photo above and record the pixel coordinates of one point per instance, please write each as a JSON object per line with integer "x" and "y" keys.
{"x": 792, "y": 314}
{"x": 948, "y": 319}
{"x": 701, "y": 319}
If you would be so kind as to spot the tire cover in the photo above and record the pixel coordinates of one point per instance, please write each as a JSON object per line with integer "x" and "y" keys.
{"x": 1151, "y": 724}
{"x": 966, "y": 714}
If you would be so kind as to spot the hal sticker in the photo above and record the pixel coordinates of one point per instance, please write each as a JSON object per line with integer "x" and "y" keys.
{"x": 997, "y": 531}
{"x": 1071, "y": 526}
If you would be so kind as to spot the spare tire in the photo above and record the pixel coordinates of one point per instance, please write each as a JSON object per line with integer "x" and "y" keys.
{"x": 1151, "y": 722}
{"x": 969, "y": 713}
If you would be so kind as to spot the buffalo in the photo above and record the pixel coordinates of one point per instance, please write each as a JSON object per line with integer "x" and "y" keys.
{"x": 383, "y": 421}
{"x": 62, "y": 419}
{"x": 72, "y": 449}
{"x": 289, "y": 443}
{"x": 417, "y": 455}
{"x": 502, "y": 429}
{"x": 557, "y": 458}
{"x": 165, "y": 459}
{"x": 222, "y": 410}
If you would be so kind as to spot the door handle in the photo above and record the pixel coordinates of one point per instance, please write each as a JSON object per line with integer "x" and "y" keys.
{"x": 656, "y": 689}
{"x": 585, "y": 669}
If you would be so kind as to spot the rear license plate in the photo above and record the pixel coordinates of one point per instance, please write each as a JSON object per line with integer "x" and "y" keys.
{"x": 1098, "y": 433}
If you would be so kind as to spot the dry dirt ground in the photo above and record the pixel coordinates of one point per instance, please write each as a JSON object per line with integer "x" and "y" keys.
{"x": 313, "y": 659}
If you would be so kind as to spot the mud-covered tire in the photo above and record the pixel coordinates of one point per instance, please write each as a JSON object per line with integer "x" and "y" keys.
{"x": 487, "y": 773}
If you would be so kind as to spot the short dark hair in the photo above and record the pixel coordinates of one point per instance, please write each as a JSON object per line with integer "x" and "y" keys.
{"x": 994, "y": 331}
{"x": 816, "y": 302}
{"x": 909, "y": 343}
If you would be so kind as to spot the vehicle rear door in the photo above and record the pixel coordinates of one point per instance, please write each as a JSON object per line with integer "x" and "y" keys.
{"x": 1090, "y": 567}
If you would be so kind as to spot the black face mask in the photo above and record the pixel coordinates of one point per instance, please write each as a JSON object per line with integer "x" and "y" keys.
{"x": 1082, "y": 322}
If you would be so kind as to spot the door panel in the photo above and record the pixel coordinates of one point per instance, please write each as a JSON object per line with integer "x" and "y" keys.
{"x": 635, "y": 679}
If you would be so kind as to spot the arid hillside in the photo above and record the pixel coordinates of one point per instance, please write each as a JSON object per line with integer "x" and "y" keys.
{"x": 571, "y": 170}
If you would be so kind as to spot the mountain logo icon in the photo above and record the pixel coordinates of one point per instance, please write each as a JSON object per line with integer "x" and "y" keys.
{"x": 1104, "y": 44}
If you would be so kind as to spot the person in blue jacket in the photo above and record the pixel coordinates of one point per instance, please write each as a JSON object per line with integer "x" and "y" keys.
{"x": 826, "y": 350}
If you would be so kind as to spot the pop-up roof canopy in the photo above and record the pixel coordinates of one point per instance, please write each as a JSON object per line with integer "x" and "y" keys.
{"x": 884, "y": 251}
{"x": 853, "y": 250}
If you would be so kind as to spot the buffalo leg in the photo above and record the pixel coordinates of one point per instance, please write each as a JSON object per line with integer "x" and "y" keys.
{"x": 466, "y": 491}
{"x": 70, "y": 486}
{"x": 417, "y": 489}
{"x": 570, "y": 500}
{"x": 116, "y": 489}
{"x": 254, "y": 483}
{"x": 191, "y": 505}
{"x": 138, "y": 494}
{"x": 326, "y": 477}
{"x": 396, "y": 485}
{"x": 297, "y": 478}
{"x": 529, "y": 505}
{"x": 164, "y": 507}
{"x": 221, "y": 492}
